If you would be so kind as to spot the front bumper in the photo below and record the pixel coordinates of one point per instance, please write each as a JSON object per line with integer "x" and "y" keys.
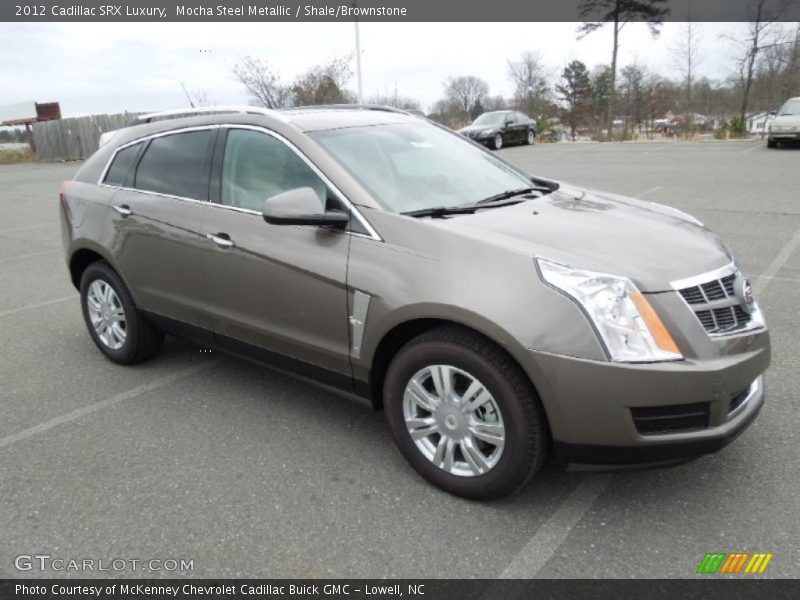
{"x": 788, "y": 136}
{"x": 485, "y": 140}
{"x": 591, "y": 404}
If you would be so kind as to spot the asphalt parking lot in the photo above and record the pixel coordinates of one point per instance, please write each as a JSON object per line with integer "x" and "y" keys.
{"x": 245, "y": 472}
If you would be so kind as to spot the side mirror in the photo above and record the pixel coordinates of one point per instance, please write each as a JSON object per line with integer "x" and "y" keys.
{"x": 301, "y": 206}
{"x": 508, "y": 122}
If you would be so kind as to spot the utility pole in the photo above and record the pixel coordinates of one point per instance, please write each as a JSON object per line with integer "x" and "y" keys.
{"x": 358, "y": 59}
{"x": 188, "y": 97}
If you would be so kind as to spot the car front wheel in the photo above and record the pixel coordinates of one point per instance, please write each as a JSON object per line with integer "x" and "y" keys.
{"x": 771, "y": 143}
{"x": 497, "y": 141}
{"x": 464, "y": 415}
{"x": 531, "y": 139}
{"x": 117, "y": 327}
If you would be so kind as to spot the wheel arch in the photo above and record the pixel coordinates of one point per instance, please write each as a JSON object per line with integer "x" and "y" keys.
{"x": 84, "y": 255}
{"x": 404, "y": 331}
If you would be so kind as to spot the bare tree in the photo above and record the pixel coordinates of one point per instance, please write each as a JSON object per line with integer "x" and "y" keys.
{"x": 466, "y": 93}
{"x": 761, "y": 33}
{"x": 262, "y": 82}
{"x": 688, "y": 57}
{"x": 324, "y": 84}
{"x": 618, "y": 13}
{"x": 531, "y": 82}
{"x": 394, "y": 99}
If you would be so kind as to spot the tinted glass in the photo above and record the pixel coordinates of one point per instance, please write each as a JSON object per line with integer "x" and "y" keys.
{"x": 176, "y": 165}
{"x": 121, "y": 167}
{"x": 493, "y": 118}
{"x": 416, "y": 166}
{"x": 257, "y": 166}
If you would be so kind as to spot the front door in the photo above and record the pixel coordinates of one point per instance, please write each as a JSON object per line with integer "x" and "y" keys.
{"x": 279, "y": 291}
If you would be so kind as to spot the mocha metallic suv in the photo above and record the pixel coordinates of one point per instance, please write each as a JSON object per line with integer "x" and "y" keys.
{"x": 494, "y": 315}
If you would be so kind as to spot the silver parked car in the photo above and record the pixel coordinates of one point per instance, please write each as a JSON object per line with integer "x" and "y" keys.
{"x": 495, "y": 316}
{"x": 785, "y": 127}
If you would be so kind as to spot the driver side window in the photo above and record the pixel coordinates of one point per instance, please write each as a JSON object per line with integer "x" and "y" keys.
{"x": 257, "y": 166}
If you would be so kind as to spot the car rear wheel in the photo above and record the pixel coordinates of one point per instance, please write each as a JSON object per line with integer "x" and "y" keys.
{"x": 497, "y": 142}
{"x": 117, "y": 327}
{"x": 531, "y": 137}
{"x": 464, "y": 415}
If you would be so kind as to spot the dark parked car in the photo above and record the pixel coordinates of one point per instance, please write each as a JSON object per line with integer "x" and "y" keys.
{"x": 501, "y": 128}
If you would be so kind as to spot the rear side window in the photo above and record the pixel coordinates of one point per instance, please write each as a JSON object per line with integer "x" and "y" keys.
{"x": 121, "y": 167}
{"x": 257, "y": 166}
{"x": 177, "y": 165}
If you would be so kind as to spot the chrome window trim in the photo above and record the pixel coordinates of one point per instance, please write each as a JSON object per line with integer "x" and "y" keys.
{"x": 372, "y": 234}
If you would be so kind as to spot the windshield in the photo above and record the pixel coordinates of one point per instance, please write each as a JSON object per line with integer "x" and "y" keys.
{"x": 792, "y": 107}
{"x": 490, "y": 119}
{"x": 418, "y": 166}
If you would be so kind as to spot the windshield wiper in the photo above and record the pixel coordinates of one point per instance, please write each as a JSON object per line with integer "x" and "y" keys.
{"x": 442, "y": 211}
{"x": 508, "y": 194}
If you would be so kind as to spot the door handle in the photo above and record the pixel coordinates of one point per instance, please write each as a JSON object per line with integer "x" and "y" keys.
{"x": 124, "y": 210}
{"x": 221, "y": 239}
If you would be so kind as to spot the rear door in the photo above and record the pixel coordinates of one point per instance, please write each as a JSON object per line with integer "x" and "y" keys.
{"x": 279, "y": 291}
{"x": 157, "y": 210}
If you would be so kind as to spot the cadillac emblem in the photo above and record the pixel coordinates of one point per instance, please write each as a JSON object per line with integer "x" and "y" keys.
{"x": 744, "y": 293}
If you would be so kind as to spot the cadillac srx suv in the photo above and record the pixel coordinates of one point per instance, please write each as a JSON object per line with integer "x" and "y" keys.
{"x": 495, "y": 316}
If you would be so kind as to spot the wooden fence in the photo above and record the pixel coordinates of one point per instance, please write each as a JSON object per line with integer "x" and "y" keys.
{"x": 77, "y": 138}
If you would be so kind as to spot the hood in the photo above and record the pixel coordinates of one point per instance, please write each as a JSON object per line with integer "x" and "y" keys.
{"x": 650, "y": 243}
{"x": 786, "y": 121}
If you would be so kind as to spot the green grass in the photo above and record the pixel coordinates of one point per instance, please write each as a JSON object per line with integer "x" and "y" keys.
{"x": 12, "y": 157}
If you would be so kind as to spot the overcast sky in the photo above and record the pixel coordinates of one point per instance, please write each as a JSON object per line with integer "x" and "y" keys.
{"x": 94, "y": 68}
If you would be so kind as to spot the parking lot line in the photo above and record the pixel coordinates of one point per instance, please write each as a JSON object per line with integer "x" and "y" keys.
{"x": 13, "y": 258}
{"x": 37, "y": 305}
{"x": 751, "y": 149}
{"x": 26, "y": 227}
{"x": 151, "y": 385}
{"x": 548, "y": 538}
{"x": 650, "y": 191}
{"x": 777, "y": 263}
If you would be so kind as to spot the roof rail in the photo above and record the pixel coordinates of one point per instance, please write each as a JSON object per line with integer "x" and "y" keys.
{"x": 186, "y": 112}
{"x": 353, "y": 107}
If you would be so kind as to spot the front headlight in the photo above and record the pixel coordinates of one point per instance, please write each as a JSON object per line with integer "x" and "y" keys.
{"x": 627, "y": 325}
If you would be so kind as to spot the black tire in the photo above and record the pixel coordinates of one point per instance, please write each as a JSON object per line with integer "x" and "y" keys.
{"x": 530, "y": 137}
{"x": 142, "y": 339}
{"x": 527, "y": 435}
{"x": 497, "y": 141}
{"x": 771, "y": 143}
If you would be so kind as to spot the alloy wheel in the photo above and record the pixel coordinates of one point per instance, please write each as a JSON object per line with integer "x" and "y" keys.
{"x": 454, "y": 420}
{"x": 106, "y": 314}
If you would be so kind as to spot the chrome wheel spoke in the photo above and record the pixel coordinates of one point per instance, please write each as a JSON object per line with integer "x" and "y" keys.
{"x": 475, "y": 458}
{"x": 475, "y": 397}
{"x": 442, "y": 381}
{"x": 420, "y": 428}
{"x": 490, "y": 433}
{"x": 420, "y": 396}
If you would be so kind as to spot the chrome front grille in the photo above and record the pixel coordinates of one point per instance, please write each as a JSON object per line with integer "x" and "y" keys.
{"x": 714, "y": 302}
